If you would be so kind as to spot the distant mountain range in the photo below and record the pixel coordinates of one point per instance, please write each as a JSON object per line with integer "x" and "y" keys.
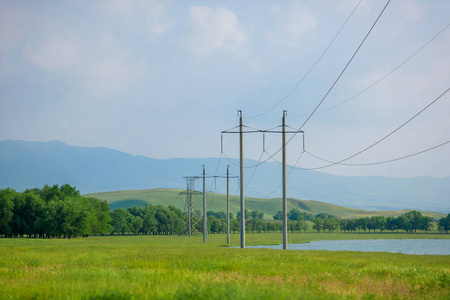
{"x": 34, "y": 164}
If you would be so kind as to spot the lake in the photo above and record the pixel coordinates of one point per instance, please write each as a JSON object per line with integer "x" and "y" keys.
{"x": 413, "y": 246}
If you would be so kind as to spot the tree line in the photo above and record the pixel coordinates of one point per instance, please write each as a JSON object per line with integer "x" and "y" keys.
{"x": 160, "y": 220}
{"x": 170, "y": 220}
{"x": 53, "y": 211}
{"x": 409, "y": 222}
{"x": 61, "y": 212}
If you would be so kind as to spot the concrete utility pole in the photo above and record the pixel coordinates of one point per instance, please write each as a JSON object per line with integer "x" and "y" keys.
{"x": 241, "y": 178}
{"x": 285, "y": 241}
{"x": 283, "y": 148}
{"x": 228, "y": 204}
{"x": 205, "y": 229}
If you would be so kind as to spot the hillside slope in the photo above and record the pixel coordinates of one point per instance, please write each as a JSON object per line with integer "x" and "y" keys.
{"x": 217, "y": 202}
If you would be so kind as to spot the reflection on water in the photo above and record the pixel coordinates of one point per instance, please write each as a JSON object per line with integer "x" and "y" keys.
{"x": 430, "y": 247}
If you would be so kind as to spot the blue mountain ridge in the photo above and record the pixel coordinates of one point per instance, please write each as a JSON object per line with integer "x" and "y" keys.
{"x": 26, "y": 164}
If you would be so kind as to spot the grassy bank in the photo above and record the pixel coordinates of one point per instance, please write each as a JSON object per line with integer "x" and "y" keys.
{"x": 174, "y": 267}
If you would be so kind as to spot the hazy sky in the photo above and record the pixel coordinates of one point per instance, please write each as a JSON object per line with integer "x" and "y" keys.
{"x": 164, "y": 78}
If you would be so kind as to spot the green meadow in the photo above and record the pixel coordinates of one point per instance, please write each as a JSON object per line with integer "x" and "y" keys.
{"x": 179, "y": 267}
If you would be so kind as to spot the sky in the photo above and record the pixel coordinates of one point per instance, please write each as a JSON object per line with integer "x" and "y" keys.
{"x": 164, "y": 78}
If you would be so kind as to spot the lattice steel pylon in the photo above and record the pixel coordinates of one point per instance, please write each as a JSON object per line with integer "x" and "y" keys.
{"x": 191, "y": 212}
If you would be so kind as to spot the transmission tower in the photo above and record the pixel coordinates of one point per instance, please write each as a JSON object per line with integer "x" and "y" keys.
{"x": 193, "y": 224}
{"x": 191, "y": 212}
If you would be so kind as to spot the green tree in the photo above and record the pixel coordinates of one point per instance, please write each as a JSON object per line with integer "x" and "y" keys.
{"x": 121, "y": 220}
{"x": 235, "y": 225}
{"x": 415, "y": 218}
{"x": 426, "y": 224}
{"x": 379, "y": 222}
{"x": 50, "y": 223}
{"x": 176, "y": 219}
{"x": 55, "y": 192}
{"x": 324, "y": 216}
{"x": 136, "y": 224}
{"x": 302, "y": 225}
{"x": 102, "y": 221}
{"x": 361, "y": 224}
{"x": 212, "y": 224}
{"x": 247, "y": 215}
{"x": 278, "y": 215}
{"x": 330, "y": 224}
{"x": 392, "y": 224}
{"x": 6, "y": 210}
{"x": 404, "y": 223}
{"x": 318, "y": 224}
{"x": 294, "y": 214}
{"x": 256, "y": 214}
{"x": 444, "y": 223}
{"x": 147, "y": 213}
{"x": 217, "y": 214}
{"x": 78, "y": 216}
{"x": 27, "y": 209}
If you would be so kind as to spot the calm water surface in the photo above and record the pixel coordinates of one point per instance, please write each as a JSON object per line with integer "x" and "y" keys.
{"x": 418, "y": 247}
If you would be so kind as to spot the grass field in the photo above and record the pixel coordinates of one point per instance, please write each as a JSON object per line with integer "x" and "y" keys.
{"x": 178, "y": 267}
{"x": 217, "y": 202}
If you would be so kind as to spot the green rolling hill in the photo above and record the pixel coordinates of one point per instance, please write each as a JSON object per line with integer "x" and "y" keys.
{"x": 217, "y": 202}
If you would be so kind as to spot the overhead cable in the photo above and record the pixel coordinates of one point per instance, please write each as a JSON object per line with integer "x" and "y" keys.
{"x": 381, "y": 79}
{"x": 382, "y": 162}
{"x": 310, "y": 69}
{"x": 299, "y": 130}
{"x": 385, "y": 137}
{"x": 345, "y": 68}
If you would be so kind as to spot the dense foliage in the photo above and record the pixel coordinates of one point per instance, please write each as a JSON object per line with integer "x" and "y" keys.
{"x": 52, "y": 211}
{"x": 160, "y": 220}
{"x": 410, "y": 222}
{"x": 444, "y": 224}
{"x": 147, "y": 219}
{"x": 55, "y": 211}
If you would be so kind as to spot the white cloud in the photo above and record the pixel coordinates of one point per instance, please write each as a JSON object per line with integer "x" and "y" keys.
{"x": 100, "y": 65}
{"x": 118, "y": 7}
{"x": 12, "y": 28}
{"x": 113, "y": 73}
{"x": 57, "y": 52}
{"x": 216, "y": 30}
{"x": 291, "y": 23}
{"x": 149, "y": 14}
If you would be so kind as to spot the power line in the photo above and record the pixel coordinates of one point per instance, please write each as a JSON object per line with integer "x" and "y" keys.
{"x": 345, "y": 68}
{"x": 256, "y": 130}
{"x": 292, "y": 168}
{"x": 335, "y": 82}
{"x": 382, "y": 78}
{"x": 221, "y": 152}
{"x": 385, "y": 161}
{"x": 262, "y": 153}
{"x": 312, "y": 67}
{"x": 254, "y": 171}
{"x": 385, "y": 137}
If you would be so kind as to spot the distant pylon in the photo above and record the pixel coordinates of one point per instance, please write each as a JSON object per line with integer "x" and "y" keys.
{"x": 191, "y": 213}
